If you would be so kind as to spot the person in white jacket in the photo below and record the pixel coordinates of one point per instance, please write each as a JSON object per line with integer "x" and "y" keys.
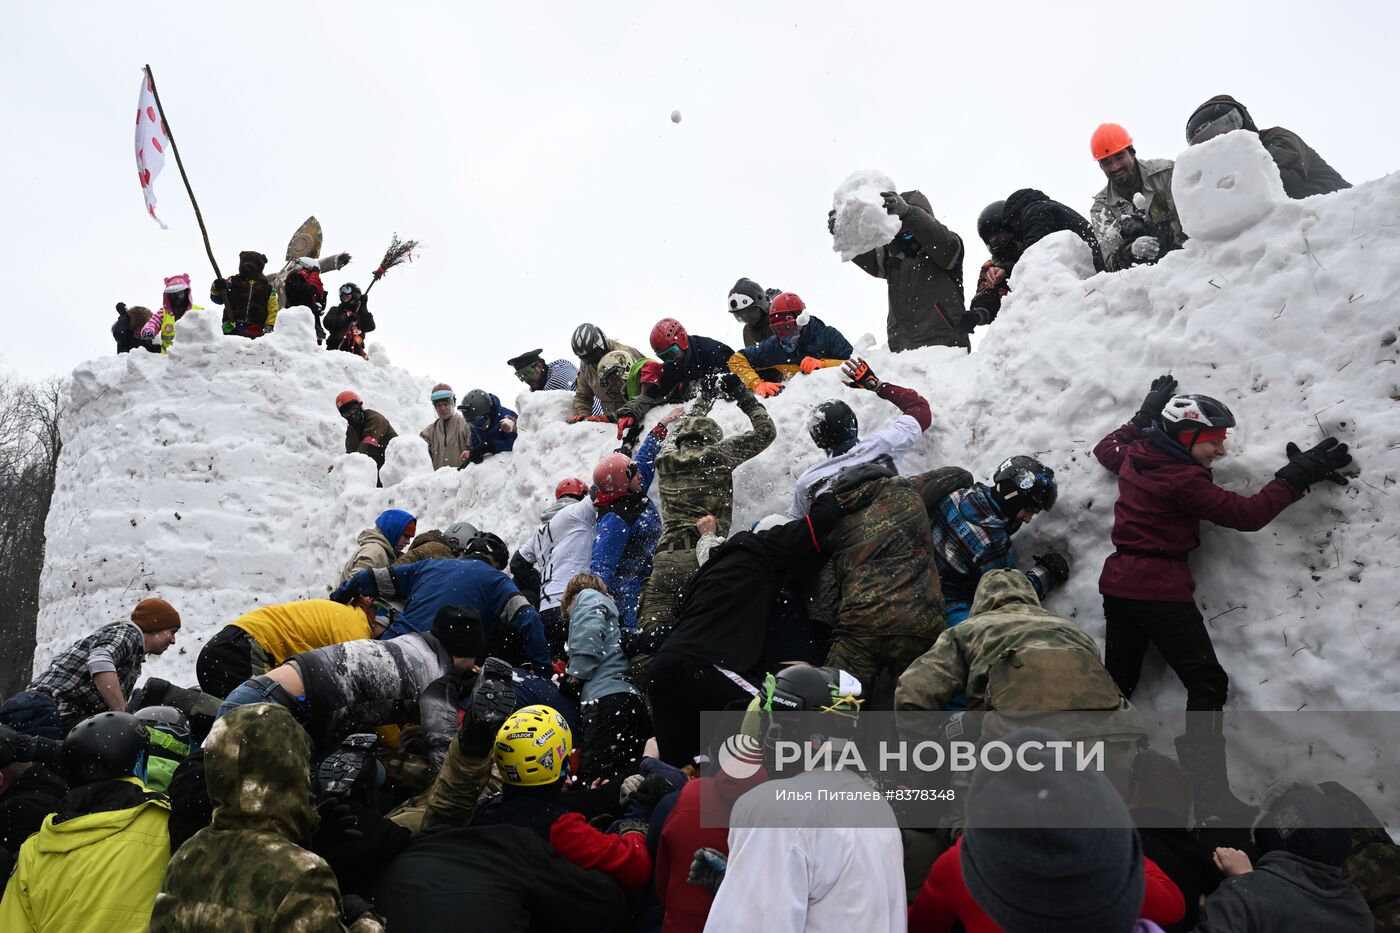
{"x": 799, "y": 861}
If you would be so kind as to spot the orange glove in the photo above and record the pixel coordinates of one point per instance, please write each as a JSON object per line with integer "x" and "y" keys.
{"x": 599, "y": 419}
{"x": 623, "y": 424}
{"x": 810, "y": 364}
{"x": 574, "y": 419}
{"x": 767, "y": 389}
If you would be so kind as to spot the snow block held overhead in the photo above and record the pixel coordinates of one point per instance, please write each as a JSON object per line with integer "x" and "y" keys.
{"x": 862, "y": 223}
{"x": 201, "y": 476}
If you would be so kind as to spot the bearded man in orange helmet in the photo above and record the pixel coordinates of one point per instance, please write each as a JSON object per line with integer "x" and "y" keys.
{"x": 1134, "y": 216}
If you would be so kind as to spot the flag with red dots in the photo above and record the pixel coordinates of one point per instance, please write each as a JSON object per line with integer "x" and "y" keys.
{"x": 151, "y": 142}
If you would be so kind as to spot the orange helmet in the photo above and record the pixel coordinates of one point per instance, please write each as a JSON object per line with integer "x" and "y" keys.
{"x": 345, "y": 398}
{"x": 1108, "y": 139}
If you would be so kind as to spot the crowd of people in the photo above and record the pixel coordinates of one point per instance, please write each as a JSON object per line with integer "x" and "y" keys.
{"x": 460, "y": 733}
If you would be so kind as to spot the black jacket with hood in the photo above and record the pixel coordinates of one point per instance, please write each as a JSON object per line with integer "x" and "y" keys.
{"x": 1032, "y": 216}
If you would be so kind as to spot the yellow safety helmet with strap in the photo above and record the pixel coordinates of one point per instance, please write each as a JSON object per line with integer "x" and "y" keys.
{"x": 533, "y": 746}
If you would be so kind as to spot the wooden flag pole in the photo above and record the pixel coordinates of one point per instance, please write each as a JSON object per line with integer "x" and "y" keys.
{"x": 183, "y": 177}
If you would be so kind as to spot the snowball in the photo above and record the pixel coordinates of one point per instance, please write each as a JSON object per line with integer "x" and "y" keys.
{"x": 862, "y": 223}
{"x": 675, "y": 116}
{"x": 1224, "y": 186}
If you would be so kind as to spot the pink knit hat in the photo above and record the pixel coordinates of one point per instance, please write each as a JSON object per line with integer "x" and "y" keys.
{"x": 177, "y": 283}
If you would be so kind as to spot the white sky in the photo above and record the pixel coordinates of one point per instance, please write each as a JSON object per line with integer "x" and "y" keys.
{"x": 530, "y": 148}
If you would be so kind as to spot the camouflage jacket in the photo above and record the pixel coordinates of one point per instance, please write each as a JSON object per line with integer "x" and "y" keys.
{"x": 1010, "y": 655}
{"x": 247, "y": 870}
{"x": 429, "y": 545}
{"x": 697, "y": 474}
{"x": 1373, "y": 864}
{"x": 886, "y": 580}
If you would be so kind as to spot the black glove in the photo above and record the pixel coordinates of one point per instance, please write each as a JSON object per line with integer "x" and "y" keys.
{"x": 345, "y": 593}
{"x": 1163, "y": 388}
{"x": 831, "y": 222}
{"x": 337, "y": 825}
{"x": 121, "y": 307}
{"x": 1322, "y": 462}
{"x": 492, "y": 702}
{"x": 478, "y": 453}
{"x": 965, "y": 321}
{"x": 219, "y": 287}
{"x": 645, "y": 794}
{"x": 1056, "y": 563}
{"x": 352, "y": 907}
{"x": 732, "y": 386}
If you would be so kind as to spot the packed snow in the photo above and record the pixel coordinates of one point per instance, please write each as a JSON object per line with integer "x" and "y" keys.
{"x": 214, "y": 477}
{"x": 862, "y": 223}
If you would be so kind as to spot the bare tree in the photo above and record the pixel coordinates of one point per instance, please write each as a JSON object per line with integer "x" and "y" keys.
{"x": 30, "y": 443}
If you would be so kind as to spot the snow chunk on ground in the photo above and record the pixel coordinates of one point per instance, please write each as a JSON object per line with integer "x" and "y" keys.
{"x": 862, "y": 223}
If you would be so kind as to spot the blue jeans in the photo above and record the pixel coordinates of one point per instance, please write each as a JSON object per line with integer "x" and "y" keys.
{"x": 261, "y": 689}
{"x": 33, "y": 713}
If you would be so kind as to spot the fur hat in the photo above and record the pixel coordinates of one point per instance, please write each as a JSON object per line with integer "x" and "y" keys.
{"x": 155, "y": 615}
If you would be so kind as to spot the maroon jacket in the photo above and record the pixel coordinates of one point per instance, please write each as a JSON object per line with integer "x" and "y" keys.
{"x": 1161, "y": 501}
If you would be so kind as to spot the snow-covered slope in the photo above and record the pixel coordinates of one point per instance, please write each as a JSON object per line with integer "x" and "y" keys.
{"x": 202, "y": 477}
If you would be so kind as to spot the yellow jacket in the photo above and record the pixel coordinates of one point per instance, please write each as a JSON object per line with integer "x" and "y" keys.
{"x": 291, "y": 628}
{"x": 98, "y": 872}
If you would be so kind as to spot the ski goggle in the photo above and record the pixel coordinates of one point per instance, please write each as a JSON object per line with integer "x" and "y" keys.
{"x": 672, "y": 353}
{"x": 1233, "y": 120}
{"x": 348, "y": 291}
{"x": 738, "y": 302}
{"x": 784, "y": 325}
{"x": 525, "y": 373}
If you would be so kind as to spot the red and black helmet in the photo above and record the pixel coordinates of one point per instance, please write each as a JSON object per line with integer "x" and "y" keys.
{"x": 669, "y": 339}
{"x": 787, "y": 314}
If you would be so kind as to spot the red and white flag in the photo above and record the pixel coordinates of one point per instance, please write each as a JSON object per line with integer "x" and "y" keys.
{"x": 151, "y": 142}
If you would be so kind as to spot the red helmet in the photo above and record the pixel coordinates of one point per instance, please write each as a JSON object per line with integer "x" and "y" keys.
{"x": 613, "y": 474}
{"x": 787, "y": 313}
{"x": 1108, "y": 139}
{"x": 345, "y": 398}
{"x": 669, "y": 333}
{"x": 573, "y": 486}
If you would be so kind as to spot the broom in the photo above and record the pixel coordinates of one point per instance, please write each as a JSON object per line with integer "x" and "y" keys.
{"x": 398, "y": 252}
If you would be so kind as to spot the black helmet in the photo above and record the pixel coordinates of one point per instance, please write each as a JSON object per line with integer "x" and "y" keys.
{"x": 589, "y": 340}
{"x": 350, "y": 291}
{"x": 490, "y": 547}
{"x": 105, "y": 746}
{"x": 458, "y": 535}
{"x": 1024, "y": 482}
{"x": 832, "y": 424}
{"x": 992, "y": 219}
{"x": 476, "y": 407}
{"x": 1213, "y": 120}
{"x": 802, "y": 688}
{"x": 166, "y": 719}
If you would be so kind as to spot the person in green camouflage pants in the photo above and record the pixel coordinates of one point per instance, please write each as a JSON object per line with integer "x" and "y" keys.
{"x": 248, "y": 870}
{"x": 696, "y": 478}
{"x": 889, "y": 605}
{"x": 1011, "y": 656}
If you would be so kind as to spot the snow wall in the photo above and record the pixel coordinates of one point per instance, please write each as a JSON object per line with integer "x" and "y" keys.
{"x": 213, "y": 477}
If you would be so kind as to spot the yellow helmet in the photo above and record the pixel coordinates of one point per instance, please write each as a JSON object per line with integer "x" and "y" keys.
{"x": 533, "y": 746}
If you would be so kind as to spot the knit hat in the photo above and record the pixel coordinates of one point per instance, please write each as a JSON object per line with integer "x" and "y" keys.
{"x": 1307, "y": 823}
{"x": 392, "y": 522}
{"x": 442, "y": 392}
{"x": 1050, "y": 851}
{"x": 459, "y": 632}
{"x": 155, "y": 615}
{"x": 516, "y": 362}
{"x": 177, "y": 283}
{"x": 745, "y": 294}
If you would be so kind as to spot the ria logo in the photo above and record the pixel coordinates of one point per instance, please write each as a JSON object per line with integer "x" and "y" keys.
{"x": 741, "y": 756}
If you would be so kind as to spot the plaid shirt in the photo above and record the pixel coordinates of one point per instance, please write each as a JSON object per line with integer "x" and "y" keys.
{"x": 970, "y": 537}
{"x": 118, "y": 648}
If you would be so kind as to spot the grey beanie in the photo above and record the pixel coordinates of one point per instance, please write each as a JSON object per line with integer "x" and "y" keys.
{"x": 1049, "y": 851}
